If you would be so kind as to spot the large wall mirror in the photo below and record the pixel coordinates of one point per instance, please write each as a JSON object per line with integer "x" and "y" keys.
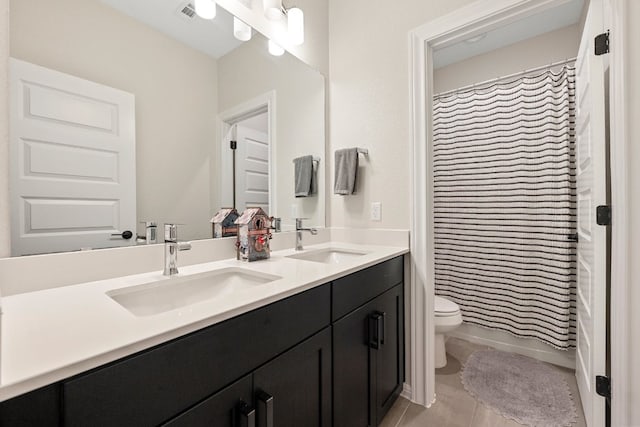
{"x": 178, "y": 89}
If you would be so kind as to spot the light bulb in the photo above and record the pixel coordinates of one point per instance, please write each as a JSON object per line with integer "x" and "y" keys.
{"x": 295, "y": 24}
{"x": 275, "y": 49}
{"x": 206, "y": 9}
{"x": 272, "y": 9}
{"x": 241, "y": 31}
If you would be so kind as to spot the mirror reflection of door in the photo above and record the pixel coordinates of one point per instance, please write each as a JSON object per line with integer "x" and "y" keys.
{"x": 72, "y": 168}
{"x": 251, "y": 163}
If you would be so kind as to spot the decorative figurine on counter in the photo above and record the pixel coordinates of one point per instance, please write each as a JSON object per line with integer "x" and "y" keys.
{"x": 254, "y": 227}
{"x": 223, "y": 223}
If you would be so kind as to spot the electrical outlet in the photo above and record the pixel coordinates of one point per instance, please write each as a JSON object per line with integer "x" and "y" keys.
{"x": 376, "y": 211}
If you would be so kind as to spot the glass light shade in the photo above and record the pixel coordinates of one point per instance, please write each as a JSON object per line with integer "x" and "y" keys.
{"x": 275, "y": 49}
{"x": 206, "y": 9}
{"x": 241, "y": 31}
{"x": 272, "y": 9}
{"x": 295, "y": 24}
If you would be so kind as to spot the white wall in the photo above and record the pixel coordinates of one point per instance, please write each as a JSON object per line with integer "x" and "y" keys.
{"x": 315, "y": 50}
{"x": 175, "y": 89}
{"x": 369, "y": 103}
{"x": 544, "y": 49}
{"x": 5, "y": 244}
{"x": 249, "y": 71}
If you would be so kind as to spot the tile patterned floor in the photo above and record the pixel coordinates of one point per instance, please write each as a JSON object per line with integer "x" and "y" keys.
{"x": 454, "y": 406}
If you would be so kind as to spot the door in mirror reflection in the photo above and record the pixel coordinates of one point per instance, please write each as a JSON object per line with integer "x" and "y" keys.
{"x": 245, "y": 171}
{"x": 252, "y": 163}
{"x": 72, "y": 168}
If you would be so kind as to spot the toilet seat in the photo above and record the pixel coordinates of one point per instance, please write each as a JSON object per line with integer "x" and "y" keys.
{"x": 445, "y": 308}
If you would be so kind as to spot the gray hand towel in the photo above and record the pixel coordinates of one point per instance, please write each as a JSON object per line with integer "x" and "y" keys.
{"x": 346, "y": 171}
{"x": 303, "y": 168}
{"x": 314, "y": 177}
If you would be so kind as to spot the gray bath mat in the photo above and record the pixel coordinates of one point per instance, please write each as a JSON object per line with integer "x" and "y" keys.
{"x": 519, "y": 388}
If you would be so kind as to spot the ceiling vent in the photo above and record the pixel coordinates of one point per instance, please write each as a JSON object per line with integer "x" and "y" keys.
{"x": 187, "y": 11}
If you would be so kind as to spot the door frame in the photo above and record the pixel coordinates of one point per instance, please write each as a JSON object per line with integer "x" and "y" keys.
{"x": 474, "y": 19}
{"x": 621, "y": 334}
{"x": 226, "y": 119}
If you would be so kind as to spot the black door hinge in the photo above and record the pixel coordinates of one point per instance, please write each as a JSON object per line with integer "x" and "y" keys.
{"x": 603, "y": 215}
{"x": 603, "y": 386}
{"x": 233, "y": 145}
{"x": 602, "y": 43}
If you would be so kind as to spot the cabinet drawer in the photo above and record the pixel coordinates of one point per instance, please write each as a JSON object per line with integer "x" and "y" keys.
{"x": 153, "y": 386}
{"x": 39, "y": 408}
{"x": 356, "y": 289}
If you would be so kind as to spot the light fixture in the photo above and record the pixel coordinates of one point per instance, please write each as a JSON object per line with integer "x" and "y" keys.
{"x": 275, "y": 49}
{"x": 206, "y": 9}
{"x": 273, "y": 9}
{"x": 241, "y": 31}
{"x": 295, "y": 25}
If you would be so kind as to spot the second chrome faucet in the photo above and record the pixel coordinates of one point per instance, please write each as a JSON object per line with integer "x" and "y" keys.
{"x": 299, "y": 230}
{"x": 171, "y": 248}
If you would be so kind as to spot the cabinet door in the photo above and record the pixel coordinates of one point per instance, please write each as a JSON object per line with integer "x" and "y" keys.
{"x": 352, "y": 369}
{"x": 294, "y": 389}
{"x": 230, "y": 407}
{"x": 368, "y": 361}
{"x": 389, "y": 354}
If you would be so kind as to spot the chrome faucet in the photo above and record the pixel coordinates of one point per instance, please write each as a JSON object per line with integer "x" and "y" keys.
{"x": 299, "y": 230}
{"x": 171, "y": 248}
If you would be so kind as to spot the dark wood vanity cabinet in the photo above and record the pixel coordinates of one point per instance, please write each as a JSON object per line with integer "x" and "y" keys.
{"x": 368, "y": 347}
{"x": 329, "y": 356}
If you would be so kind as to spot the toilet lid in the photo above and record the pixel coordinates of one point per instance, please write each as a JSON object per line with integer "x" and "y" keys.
{"x": 443, "y": 305}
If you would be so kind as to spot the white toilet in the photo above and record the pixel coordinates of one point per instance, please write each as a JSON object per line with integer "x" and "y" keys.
{"x": 447, "y": 318}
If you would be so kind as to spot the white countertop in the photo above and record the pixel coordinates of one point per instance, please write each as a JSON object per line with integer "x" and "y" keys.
{"x": 53, "y": 334}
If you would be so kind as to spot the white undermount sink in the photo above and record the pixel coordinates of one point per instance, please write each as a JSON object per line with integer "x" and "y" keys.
{"x": 181, "y": 291}
{"x": 329, "y": 255}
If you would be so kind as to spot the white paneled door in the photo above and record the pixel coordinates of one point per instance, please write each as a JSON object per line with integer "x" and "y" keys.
{"x": 591, "y": 192}
{"x": 72, "y": 162}
{"x": 252, "y": 169}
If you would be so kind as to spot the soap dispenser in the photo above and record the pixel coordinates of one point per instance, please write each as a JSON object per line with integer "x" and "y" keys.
{"x": 151, "y": 232}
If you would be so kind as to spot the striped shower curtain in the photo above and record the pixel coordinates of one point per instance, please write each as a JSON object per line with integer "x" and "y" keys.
{"x": 505, "y": 205}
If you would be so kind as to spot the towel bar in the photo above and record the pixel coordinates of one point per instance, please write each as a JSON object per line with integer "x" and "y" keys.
{"x": 363, "y": 151}
{"x": 315, "y": 159}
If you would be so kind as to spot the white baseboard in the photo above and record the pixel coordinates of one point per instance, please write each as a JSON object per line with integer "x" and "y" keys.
{"x": 406, "y": 391}
{"x": 507, "y": 342}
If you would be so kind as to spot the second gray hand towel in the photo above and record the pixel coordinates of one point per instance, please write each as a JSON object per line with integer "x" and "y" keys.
{"x": 346, "y": 171}
{"x": 303, "y": 168}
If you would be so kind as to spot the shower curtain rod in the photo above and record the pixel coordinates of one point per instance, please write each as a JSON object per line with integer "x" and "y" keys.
{"x": 518, "y": 74}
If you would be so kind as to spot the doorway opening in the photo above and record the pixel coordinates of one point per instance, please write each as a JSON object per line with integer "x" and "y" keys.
{"x": 247, "y": 155}
{"x": 473, "y": 24}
